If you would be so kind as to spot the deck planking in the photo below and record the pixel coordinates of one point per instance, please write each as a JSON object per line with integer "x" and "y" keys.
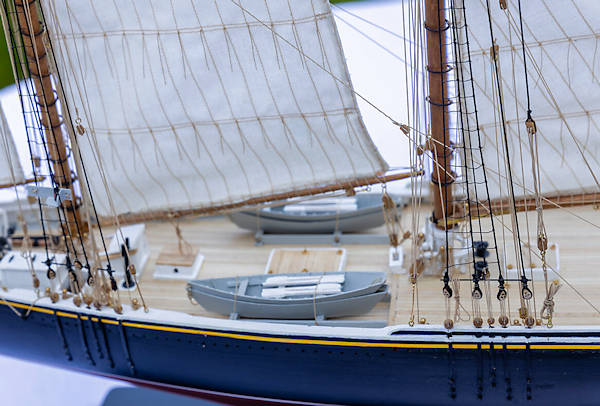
{"x": 230, "y": 251}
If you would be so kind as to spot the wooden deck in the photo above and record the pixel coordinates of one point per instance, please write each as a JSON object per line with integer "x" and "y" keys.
{"x": 230, "y": 251}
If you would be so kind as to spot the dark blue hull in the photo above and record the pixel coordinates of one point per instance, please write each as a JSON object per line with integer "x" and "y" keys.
{"x": 327, "y": 370}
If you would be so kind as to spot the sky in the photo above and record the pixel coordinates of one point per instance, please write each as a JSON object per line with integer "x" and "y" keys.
{"x": 376, "y": 75}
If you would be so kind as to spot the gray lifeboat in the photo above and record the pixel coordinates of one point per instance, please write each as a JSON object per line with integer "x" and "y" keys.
{"x": 298, "y": 296}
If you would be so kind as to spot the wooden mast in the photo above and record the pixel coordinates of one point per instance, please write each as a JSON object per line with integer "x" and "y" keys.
{"x": 34, "y": 35}
{"x": 437, "y": 66}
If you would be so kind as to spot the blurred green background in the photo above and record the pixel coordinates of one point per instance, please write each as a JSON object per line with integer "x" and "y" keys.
{"x": 6, "y": 76}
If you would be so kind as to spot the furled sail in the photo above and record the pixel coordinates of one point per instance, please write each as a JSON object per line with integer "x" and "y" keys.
{"x": 563, "y": 64}
{"x": 207, "y": 103}
{"x": 11, "y": 171}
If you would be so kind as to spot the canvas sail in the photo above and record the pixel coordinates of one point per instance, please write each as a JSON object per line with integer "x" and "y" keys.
{"x": 11, "y": 171}
{"x": 563, "y": 63}
{"x": 190, "y": 104}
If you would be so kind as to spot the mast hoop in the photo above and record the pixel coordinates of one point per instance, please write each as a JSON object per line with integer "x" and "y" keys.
{"x": 446, "y": 183}
{"x": 35, "y": 34}
{"x": 447, "y": 103}
{"x": 449, "y": 67}
{"x": 445, "y": 28}
{"x": 22, "y": 3}
{"x": 49, "y": 104}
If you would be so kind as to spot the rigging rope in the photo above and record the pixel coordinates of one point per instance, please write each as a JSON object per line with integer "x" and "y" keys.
{"x": 41, "y": 125}
{"x": 542, "y": 239}
{"x": 526, "y": 293}
{"x": 555, "y": 104}
{"x": 26, "y": 251}
{"x": 528, "y": 246}
{"x": 374, "y": 41}
{"x": 306, "y": 57}
{"x": 131, "y": 269}
{"x": 402, "y": 37}
{"x": 524, "y": 63}
{"x": 548, "y": 309}
{"x": 562, "y": 278}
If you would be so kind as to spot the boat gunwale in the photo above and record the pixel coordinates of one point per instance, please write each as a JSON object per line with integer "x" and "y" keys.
{"x": 378, "y": 294}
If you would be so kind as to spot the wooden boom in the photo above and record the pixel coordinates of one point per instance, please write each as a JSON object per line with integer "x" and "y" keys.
{"x": 213, "y": 210}
{"x": 502, "y": 206}
{"x": 25, "y": 182}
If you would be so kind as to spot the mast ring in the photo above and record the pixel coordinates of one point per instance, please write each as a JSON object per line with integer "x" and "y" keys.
{"x": 437, "y": 182}
{"x": 449, "y": 67}
{"x": 445, "y": 28}
{"x": 447, "y": 103}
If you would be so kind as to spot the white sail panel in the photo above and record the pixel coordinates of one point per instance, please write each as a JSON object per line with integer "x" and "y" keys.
{"x": 11, "y": 171}
{"x": 193, "y": 104}
{"x": 563, "y": 63}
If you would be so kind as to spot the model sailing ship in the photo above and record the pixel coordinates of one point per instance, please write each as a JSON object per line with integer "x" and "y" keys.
{"x": 155, "y": 112}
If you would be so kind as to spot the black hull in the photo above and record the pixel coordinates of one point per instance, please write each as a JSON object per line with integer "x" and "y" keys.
{"x": 554, "y": 370}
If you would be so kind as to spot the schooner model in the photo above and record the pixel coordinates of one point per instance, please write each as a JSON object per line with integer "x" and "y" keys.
{"x": 154, "y": 112}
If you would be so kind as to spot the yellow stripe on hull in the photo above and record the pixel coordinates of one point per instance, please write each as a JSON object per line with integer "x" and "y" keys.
{"x": 308, "y": 341}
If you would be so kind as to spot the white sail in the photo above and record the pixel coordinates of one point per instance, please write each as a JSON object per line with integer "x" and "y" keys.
{"x": 563, "y": 63}
{"x": 11, "y": 171}
{"x": 193, "y": 104}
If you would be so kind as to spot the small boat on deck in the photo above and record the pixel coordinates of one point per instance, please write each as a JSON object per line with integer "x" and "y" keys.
{"x": 292, "y": 296}
{"x": 329, "y": 215}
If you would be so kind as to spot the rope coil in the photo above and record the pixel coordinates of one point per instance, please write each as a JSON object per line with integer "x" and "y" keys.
{"x": 548, "y": 309}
